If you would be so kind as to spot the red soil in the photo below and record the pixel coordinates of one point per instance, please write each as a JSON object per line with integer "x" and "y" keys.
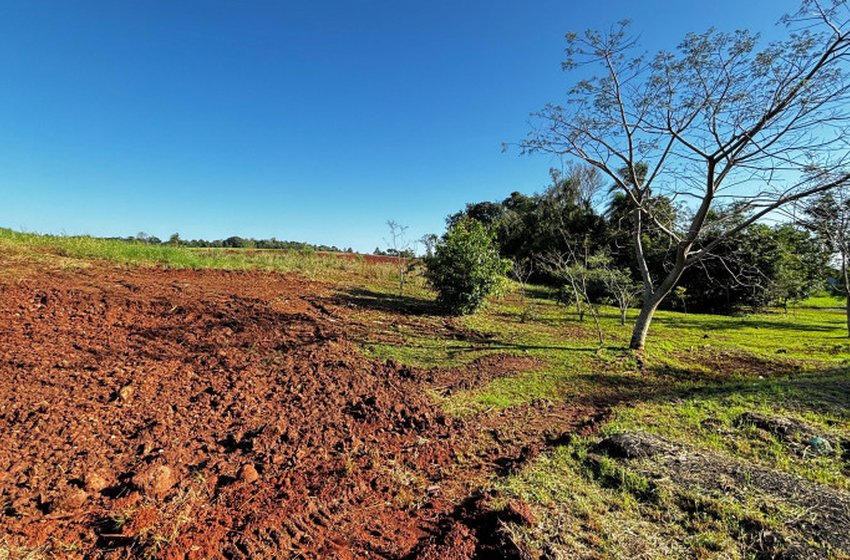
{"x": 210, "y": 414}
{"x": 367, "y": 258}
{"x": 370, "y": 259}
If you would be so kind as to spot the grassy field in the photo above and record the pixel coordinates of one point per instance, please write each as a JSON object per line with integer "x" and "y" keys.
{"x": 77, "y": 251}
{"x": 692, "y": 387}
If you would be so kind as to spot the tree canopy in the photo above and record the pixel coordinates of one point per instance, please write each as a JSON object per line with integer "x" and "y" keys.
{"x": 718, "y": 124}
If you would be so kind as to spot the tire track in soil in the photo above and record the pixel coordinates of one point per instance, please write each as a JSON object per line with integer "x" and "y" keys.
{"x": 205, "y": 414}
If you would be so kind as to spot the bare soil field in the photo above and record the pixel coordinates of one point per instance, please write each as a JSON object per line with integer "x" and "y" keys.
{"x": 215, "y": 414}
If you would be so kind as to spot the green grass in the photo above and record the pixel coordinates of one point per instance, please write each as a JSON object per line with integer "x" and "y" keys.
{"x": 610, "y": 511}
{"x": 696, "y": 378}
{"x": 710, "y": 419}
{"x": 70, "y": 251}
{"x": 824, "y": 301}
{"x": 684, "y": 350}
{"x": 427, "y": 353}
{"x": 700, "y": 373}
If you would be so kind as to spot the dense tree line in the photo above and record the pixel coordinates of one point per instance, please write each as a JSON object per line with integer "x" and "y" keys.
{"x": 235, "y": 242}
{"x": 766, "y": 264}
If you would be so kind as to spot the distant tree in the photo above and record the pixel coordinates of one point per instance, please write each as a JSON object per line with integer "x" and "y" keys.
{"x": 716, "y": 121}
{"x": 680, "y": 293}
{"x": 529, "y": 225}
{"x": 400, "y": 248}
{"x": 829, "y": 217}
{"x": 800, "y": 268}
{"x": 521, "y": 271}
{"x": 174, "y": 239}
{"x": 737, "y": 273}
{"x": 465, "y": 267}
{"x": 565, "y": 214}
{"x": 429, "y": 241}
{"x": 629, "y": 233}
{"x": 761, "y": 266}
{"x": 488, "y": 213}
{"x": 576, "y": 271}
{"x": 619, "y": 285}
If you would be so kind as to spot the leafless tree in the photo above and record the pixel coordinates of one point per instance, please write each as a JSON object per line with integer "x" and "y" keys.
{"x": 618, "y": 283}
{"x": 521, "y": 271}
{"x": 573, "y": 268}
{"x": 715, "y": 122}
{"x": 401, "y": 247}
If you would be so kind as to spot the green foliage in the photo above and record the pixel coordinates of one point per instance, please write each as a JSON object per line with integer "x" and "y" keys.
{"x": 801, "y": 266}
{"x": 761, "y": 266}
{"x": 621, "y": 219}
{"x": 465, "y": 267}
{"x": 528, "y": 226}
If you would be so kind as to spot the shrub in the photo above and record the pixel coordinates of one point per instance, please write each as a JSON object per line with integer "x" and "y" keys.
{"x": 465, "y": 266}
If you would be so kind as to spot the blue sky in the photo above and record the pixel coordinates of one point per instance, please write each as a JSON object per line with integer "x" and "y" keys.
{"x": 312, "y": 121}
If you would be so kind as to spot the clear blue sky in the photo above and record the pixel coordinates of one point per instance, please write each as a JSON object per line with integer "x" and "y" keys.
{"x": 313, "y": 121}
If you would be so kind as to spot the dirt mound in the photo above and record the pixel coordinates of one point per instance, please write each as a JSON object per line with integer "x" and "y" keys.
{"x": 828, "y": 510}
{"x": 477, "y": 531}
{"x": 205, "y": 414}
{"x": 222, "y": 405}
{"x": 726, "y": 364}
{"x": 634, "y": 445}
{"x": 802, "y": 437}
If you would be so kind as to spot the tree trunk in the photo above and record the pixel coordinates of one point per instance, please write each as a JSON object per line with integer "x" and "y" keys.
{"x": 650, "y": 304}
{"x": 640, "y": 258}
{"x": 400, "y": 276}
{"x": 579, "y": 307}
{"x": 846, "y": 269}
{"x": 596, "y": 322}
{"x": 643, "y": 320}
{"x": 847, "y": 306}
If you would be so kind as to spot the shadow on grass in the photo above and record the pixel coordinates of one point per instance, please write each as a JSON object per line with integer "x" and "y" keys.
{"x": 817, "y": 391}
{"x": 804, "y": 390}
{"x": 539, "y": 292}
{"x": 389, "y": 303}
{"x": 662, "y": 382}
{"x": 478, "y": 343}
{"x": 728, "y": 322}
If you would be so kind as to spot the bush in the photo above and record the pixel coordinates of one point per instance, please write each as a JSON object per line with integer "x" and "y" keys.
{"x": 465, "y": 266}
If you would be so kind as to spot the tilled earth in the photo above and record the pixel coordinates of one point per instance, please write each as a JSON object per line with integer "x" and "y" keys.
{"x": 215, "y": 414}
